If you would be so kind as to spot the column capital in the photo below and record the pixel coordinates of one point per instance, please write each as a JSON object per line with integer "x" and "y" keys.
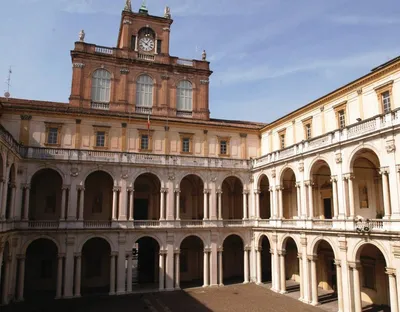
{"x": 177, "y": 190}
{"x": 297, "y": 184}
{"x": 245, "y": 192}
{"x": 164, "y": 190}
{"x": 308, "y": 183}
{"x": 384, "y": 170}
{"x": 256, "y": 191}
{"x": 207, "y": 249}
{"x": 80, "y": 188}
{"x": 390, "y": 271}
{"x": 116, "y": 188}
{"x": 61, "y": 255}
{"x": 312, "y": 257}
{"x": 348, "y": 176}
{"x": 333, "y": 179}
{"x": 128, "y": 253}
{"x": 206, "y": 191}
{"x": 114, "y": 253}
{"x": 177, "y": 251}
{"x": 77, "y": 254}
{"x": 130, "y": 189}
{"x": 282, "y": 252}
{"x": 271, "y": 251}
{"x": 220, "y": 249}
{"x": 279, "y": 188}
{"x": 20, "y": 256}
{"x": 219, "y": 192}
{"x": 354, "y": 265}
{"x": 247, "y": 248}
{"x": 338, "y": 262}
{"x": 26, "y": 186}
{"x": 299, "y": 255}
{"x": 65, "y": 187}
{"x": 162, "y": 252}
{"x": 271, "y": 189}
{"x": 259, "y": 249}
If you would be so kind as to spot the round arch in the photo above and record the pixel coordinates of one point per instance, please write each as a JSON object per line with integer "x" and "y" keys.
{"x": 261, "y": 237}
{"x": 93, "y": 170}
{"x": 155, "y": 237}
{"x": 151, "y": 172}
{"x": 284, "y": 170}
{"x": 260, "y": 178}
{"x": 355, "y": 256}
{"x": 316, "y": 242}
{"x": 187, "y": 174}
{"x": 314, "y": 164}
{"x": 137, "y": 76}
{"x": 31, "y": 240}
{"x": 228, "y": 175}
{"x": 353, "y": 155}
{"x": 233, "y": 234}
{"x": 89, "y": 237}
{"x": 104, "y": 67}
{"x": 177, "y": 81}
{"x": 50, "y": 167}
{"x": 199, "y": 236}
{"x": 284, "y": 240}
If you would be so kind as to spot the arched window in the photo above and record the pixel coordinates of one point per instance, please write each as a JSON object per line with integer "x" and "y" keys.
{"x": 144, "y": 91}
{"x": 101, "y": 85}
{"x": 184, "y": 96}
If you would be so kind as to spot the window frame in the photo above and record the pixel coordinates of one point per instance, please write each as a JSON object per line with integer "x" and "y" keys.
{"x": 228, "y": 144}
{"x": 307, "y": 126}
{"x": 341, "y": 107}
{"x": 282, "y": 138}
{"x": 106, "y": 89}
{"x": 106, "y": 130}
{"x": 187, "y": 97}
{"x": 147, "y": 93}
{"x": 380, "y": 90}
{"x": 148, "y": 133}
{"x": 52, "y": 125}
{"x": 189, "y": 137}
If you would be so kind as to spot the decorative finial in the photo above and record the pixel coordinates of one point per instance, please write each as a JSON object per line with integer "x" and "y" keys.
{"x": 167, "y": 12}
{"x": 143, "y": 8}
{"x": 204, "y": 55}
{"x": 82, "y": 36}
{"x": 128, "y": 6}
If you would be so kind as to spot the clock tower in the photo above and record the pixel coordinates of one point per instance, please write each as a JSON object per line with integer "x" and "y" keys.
{"x": 139, "y": 75}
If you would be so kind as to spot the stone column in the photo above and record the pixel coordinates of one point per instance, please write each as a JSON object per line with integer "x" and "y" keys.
{"x": 205, "y": 212}
{"x": 220, "y": 268}
{"x": 335, "y": 196}
{"x": 78, "y": 269}
{"x": 314, "y": 283}
{"x": 246, "y": 265}
{"x": 298, "y": 193}
{"x": 131, "y": 192}
{"x": 129, "y": 272}
{"x": 394, "y": 305}
{"x": 178, "y": 204}
{"x": 276, "y": 265}
{"x": 7, "y": 263}
{"x": 350, "y": 179}
{"x": 21, "y": 278}
{"x": 81, "y": 190}
{"x": 310, "y": 200}
{"x": 161, "y": 270}
{"x": 271, "y": 202}
{"x": 12, "y": 201}
{"x": 282, "y": 254}
{"x": 219, "y": 192}
{"x": 59, "y": 275}
{"x": 69, "y": 267}
{"x": 305, "y": 271}
{"x": 177, "y": 269}
{"x": 385, "y": 188}
{"x": 273, "y": 270}
{"x": 26, "y": 201}
{"x": 115, "y": 202}
{"x": 162, "y": 203}
{"x": 112, "y": 273}
{"x": 2, "y": 188}
{"x": 299, "y": 256}
{"x": 259, "y": 266}
{"x": 63, "y": 201}
{"x": 4, "y": 198}
{"x": 245, "y": 215}
{"x": 256, "y": 203}
{"x": 339, "y": 285}
{"x": 280, "y": 201}
{"x": 355, "y": 266}
{"x": 206, "y": 271}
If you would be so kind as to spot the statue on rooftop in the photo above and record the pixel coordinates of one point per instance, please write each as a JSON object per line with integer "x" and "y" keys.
{"x": 82, "y": 36}
{"x": 128, "y": 6}
{"x": 204, "y": 55}
{"x": 167, "y": 12}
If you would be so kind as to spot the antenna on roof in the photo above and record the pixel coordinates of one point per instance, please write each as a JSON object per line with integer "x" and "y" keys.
{"x": 8, "y": 83}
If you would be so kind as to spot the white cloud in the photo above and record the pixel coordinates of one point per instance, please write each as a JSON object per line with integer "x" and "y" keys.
{"x": 364, "y": 20}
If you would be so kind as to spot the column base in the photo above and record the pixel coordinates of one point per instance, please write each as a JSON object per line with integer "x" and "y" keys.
{"x": 121, "y": 292}
{"x": 246, "y": 282}
{"x": 77, "y": 296}
{"x": 204, "y": 286}
{"x": 315, "y": 303}
{"x": 387, "y": 217}
{"x": 177, "y": 288}
{"x": 111, "y": 293}
{"x": 282, "y": 292}
{"x": 220, "y": 285}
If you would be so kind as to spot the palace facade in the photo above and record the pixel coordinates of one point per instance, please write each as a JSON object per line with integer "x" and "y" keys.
{"x": 131, "y": 185}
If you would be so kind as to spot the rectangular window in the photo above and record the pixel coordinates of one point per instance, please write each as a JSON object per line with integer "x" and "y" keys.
{"x": 159, "y": 42}
{"x": 386, "y": 102}
{"x": 133, "y": 42}
{"x": 52, "y": 136}
{"x": 282, "y": 139}
{"x": 368, "y": 276}
{"x": 342, "y": 119}
{"x": 308, "y": 131}
{"x": 185, "y": 145}
{"x": 223, "y": 145}
{"x": 100, "y": 138}
{"x": 144, "y": 142}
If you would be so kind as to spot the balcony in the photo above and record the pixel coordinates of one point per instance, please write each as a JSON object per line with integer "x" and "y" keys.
{"x": 143, "y": 110}
{"x": 100, "y": 106}
{"x": 184, "y": 114}
{"x": 369, "y": 126}
{"x": 103, "y": 50}
{"x": 185, "y": 62}
{"x": 146, "y": 57}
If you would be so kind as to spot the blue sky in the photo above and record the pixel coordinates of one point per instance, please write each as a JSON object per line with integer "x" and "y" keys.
{"x": 269, "y": 57}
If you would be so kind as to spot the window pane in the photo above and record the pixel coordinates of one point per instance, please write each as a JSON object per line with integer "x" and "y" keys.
{"x": 53, "y": 135}
{"x": 144, "y": 91}
{"x": 223, "y": 147}
{"x": 184, "y": 96}
{"x": 386, "y": 102}
{"x": 100, "y": 138}
{"x": 144, "y": 142}
{"x": 101, "y": 85}
{"x": 186, "y": 145}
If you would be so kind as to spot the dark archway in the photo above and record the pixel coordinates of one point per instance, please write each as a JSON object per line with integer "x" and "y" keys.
{"x": 265, "y": 198}
{"x": 322, "y": 194}
{"x": 147, "y": 197}
{"x": 5, "y": 273}
{"x": 232, "y": 199}
{"x": 45, "y": 195}
{"x": 10, "y": 191}
{"x": 41, "y": 269}
{"x": 289, "y": 194}
{"x": 233, "y": 260}
{"x": 95, "y": 276}
{"x": 191, "y": 262}
{"x": 290, "y": 282}
{"x": 266, "y": 268}
{"x": 145, "y": 264}
{"x": 98, "y": 196}
{"x": 191, "y": 199}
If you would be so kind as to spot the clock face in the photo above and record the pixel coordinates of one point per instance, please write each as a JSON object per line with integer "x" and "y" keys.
{"x": 146, "y": 44}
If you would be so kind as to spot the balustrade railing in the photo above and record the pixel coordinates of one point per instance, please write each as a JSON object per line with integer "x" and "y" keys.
{"x": 143, "y": 110}
{"x": 100, "y": 106}
{"x": 147, "y": 224}
{"x": 145, "y": 57}
{"x": 104, "y": 50}
{"x": 191, "y": 223}
{"x": 233, "y": 223}
{"x": 43, "y": 224}
{"x": 184, "y": 62}
{"x": 97, "y": 224}
{"x": 322, "y": 224}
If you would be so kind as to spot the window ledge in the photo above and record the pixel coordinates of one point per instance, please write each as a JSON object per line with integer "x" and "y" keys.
{"x": 223, "y": 155}
{"x": 52, "y": 144}
{"x": 100, "y": 147}
{"x": 145, "y": 150}
{"x": 186, "y": 153}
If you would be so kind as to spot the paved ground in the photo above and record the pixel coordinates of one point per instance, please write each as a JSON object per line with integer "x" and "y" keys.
{"x": 233, "y": 298}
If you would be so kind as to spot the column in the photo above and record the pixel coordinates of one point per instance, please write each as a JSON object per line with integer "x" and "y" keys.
{"x": 271, "y": 202}
{"x": 298, "y": 193}
{"x": 112, "y": 274}
{"x": 4, "y": 198}
{"x": 314, "y": 285}
{"x": 246, "y": 265}
{"x": 339, "y": 285}
{"x": 256, "y": 203}
{"x": 280, "y": 201}
{"x": 303, "y": 196}
{"x": 206, "y": 271}
{"x": 220, "y": 268}
{"x": 219, "y": 205}
{"x": 350, "y": 179}
{"x": 245, "y": 215}
{"x": 12, "y": 201}
{"x": 6, "y": 277}
{"x": 162, "y": 269}
{"x": 205, "y": 212}
{"x": 335, "y": 197}
{"x": 78, "y": 259}
{"x": 385, "y": 188}
{"x": 129, "y": 272}
{"x": 310, "y": 200}
{"x": 2, "y": 188}
{"x": 356, "y": 286}
{"x": 26, "y": 201}
{"x": 114, "y": 202}
{"x": 305, "y": 270}
{"x": 131, "y": 203}
{"x": 178, "y": 204}
{"x": 63, "y": 201}
{"x": 394, "y": 305}
{"x": 299, "y": 256}
{"x": 177, "y": 269}
{"x": 282, "y": 254}
{"x": 59, "y": 276}
{"x": 276, "y": 269}
{"x": 21, "y": 278}
{"x": 259, "y": 267}
{"x": 69, "y": 267}
{"x": 162, "y": 204}
{"x": 81, "y": 201}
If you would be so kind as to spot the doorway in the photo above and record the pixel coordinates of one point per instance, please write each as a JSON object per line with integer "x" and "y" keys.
{"x": 328, "y": 208}
{"x": 141, "y": 209}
